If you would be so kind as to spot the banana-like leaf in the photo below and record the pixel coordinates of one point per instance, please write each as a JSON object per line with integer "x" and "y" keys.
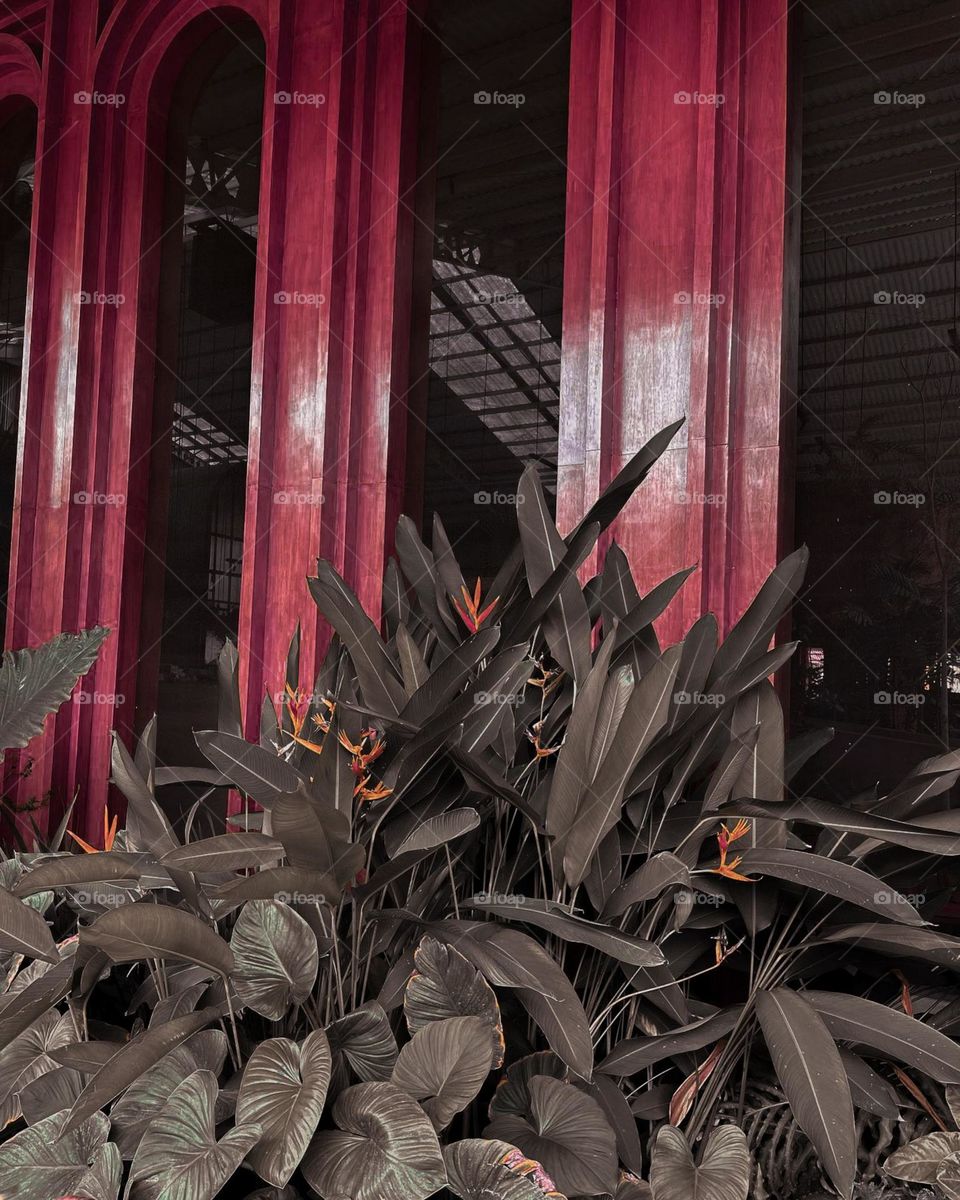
{"x": 34, "y": 683}
{"x": 283, "y": 1090}
{"x": 131, "y": 1061}
{"x": 76, "y": 870}
{"x": 365, "y": 1039}
{"x": 437, "y": 831}
{"x": 147, "y": 827}
{"x": 46, "y": 1160}
{"x": 867, "y": 1023}
{"x": 180, "y": 1155}
{"x": 24, "y": 931}
{"x": 812, "y": 1075}
{"x": 568, "y": 1132}
{"x": 279, "y": 883}
{"x": 444, "y": 984}
{"x": 633, "y": 1054}
{"x": 566, "y": 925}
{"x": 920, "y": 1160}
{"x": 384, "y": 1148}
{"x": 925, "y": 944}
{"x": 136, "y": 932}
{"x": 226, "y": 852}
{"x": 835, "y": 878}
{"x": 262, "y": 776}
{"x": 657, "y": 873}
{"x": 445, "y": 1065}
{"x": 867, "y": 1089}
{"x": 723, "y": 1173}
{"x": 276, "y": 957}
{"x": 489, "y": 1169}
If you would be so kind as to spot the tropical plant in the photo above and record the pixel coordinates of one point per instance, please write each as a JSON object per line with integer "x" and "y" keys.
{"x": 934, "y": 1158}
{"x": 503, "y": 837}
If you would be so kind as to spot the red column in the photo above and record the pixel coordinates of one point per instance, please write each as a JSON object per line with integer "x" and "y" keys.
{"x": 330, "y": 338}
{"x": 674, "y": 284}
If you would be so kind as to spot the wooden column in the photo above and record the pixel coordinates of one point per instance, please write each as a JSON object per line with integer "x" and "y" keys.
{"x": 674, "y": 284}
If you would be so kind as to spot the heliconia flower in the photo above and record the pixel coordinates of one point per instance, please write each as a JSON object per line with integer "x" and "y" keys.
{"x": 729, "y": 871}
{"x": 471, "y": 615}
{"x": 534, "y": 735}
{"x": 109, "y": 835}
{"x": 298, "y": 705}
{"x": 725, "y": 839}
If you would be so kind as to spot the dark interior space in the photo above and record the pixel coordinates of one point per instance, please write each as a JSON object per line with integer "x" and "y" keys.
{"x": 878, "y": 406}
{"x": 211, "y": 394}
{"x": 497, "y": 282}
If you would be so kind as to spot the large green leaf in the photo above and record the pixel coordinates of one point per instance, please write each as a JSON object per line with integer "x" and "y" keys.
{"x": 867, "y": 1023}
{"x": 812, "y": 1075}
{"x": 444, "y": 1066}
{"x": 23, "y": 930}
{"x": 383, "y": 1149}
{"x": 723, "y": 1173}
{"x": 276, "y": 957}
{"x": 283, "y": 1090}
{"x": 179, "y": 1157}
{"x": 27, "y": 1058}
{"x": 136, "y": 932}
{"x": 131, "y": 1115}
{"x": 444, "y": 985}
{"x": 365, "y": 1039}
{"x": 132, "y": 1060}
{"x": 568, "y": 1132}
{"x": 34, "y": 683}
{"x": 43, "y": 1161}
{"x": 488, "y": 1169}
{"x": 919, "y": 1160}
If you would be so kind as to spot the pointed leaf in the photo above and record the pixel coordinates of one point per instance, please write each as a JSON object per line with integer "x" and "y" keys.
{"x": 723, "y": 1173}
{"x": 136, "y": 932}
{"x": 445, "y": 1065}
{"x": 46, "y": 1160}
{"x": 489, "y": 1169}
{"x": 276, "y": 957}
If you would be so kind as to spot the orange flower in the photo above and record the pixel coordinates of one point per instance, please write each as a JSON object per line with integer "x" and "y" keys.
{"x": 109, "y": 835}
{"x": 298, "y": 705}
{"x": 725, "y": 839}
{"x": 377, "y": 792}
{"x": 534, "y": 736}
{"x": 471, "y": 615}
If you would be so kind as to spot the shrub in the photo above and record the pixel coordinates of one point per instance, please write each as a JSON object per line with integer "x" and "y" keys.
{"x": 504, "y": 838}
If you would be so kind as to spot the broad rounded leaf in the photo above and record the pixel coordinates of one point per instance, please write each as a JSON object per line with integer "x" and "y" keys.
{"x": 365, "y": 1039}
{"x": 568, "y": 1132}
{"x": 513, "y": 1091}
{"x": 444, "y": 1066}
{"x": 444, "y": 985}
{"x": 723, "y": 1173}
{"x": 811, "y": 1073}
{"x": 145, "y": 1097}
{"x": 132, "y": 1060}
{"x": 919, "y": 1160}
{"x": 384, "y": 1148}
{"x": 180, "y": 1156}
{"x": 140, "y": 931}
{"x": 28, "y": 1057}
{"x": 488, "y": 1169}
{"x": 283, "y": 1090}
{"x": 276, "y": 957}
{"x": 948, "y": 1177}
{"x": 23, "y": 930}
{"x": 41, "y": 1161}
